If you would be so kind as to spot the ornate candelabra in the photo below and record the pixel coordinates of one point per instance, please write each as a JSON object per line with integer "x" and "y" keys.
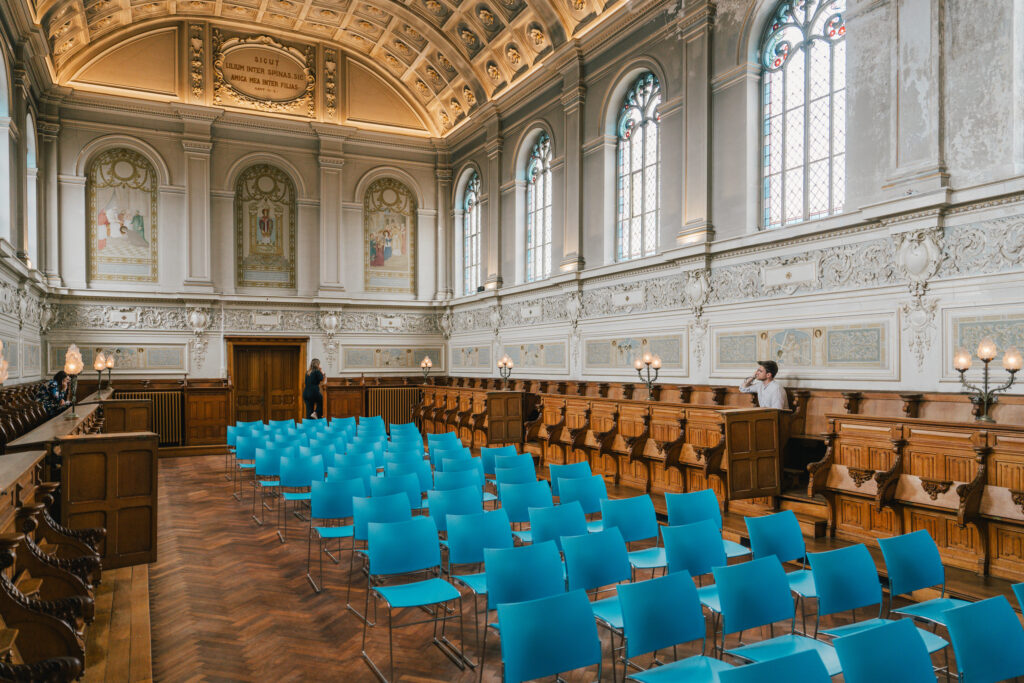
{"x": 110, "y": 370}
{"x": 643, "y": 367}
{"x": 985, "y": 395}
{"x": 99, "y": 365}
{"x": 425, "y": 365}
{"x": 72, "y": 366}
{"x": 505, "y": 366}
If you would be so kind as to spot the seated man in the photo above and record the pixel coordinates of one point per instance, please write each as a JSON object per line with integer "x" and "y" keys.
{"x": 54, "y": 394}
{"x": 770, "y": 393}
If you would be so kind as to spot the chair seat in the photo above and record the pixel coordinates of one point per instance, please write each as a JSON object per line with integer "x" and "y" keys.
{"x": 789, "y": 644}
{"x": 609, "y": 612}
{"x": 594, "y": 526}
{"x": 648, "y": 558}
{"x": 335, "y": 531}
{"x": 474, "y": 582}
{"x": 933, "y": 642}
{"x": 734, "y": 549}
{"x": 709, "y": 598}
{"x": 697, "y": 669}
{"x": 931, "y": 610}
{"x": 429, "y": 592}
{"x": 302, "y": 495}
{"x": 801, "y": 582}
{"x": 524, "y": 536}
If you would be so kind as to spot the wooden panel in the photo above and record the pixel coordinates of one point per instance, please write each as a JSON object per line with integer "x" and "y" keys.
{"x": 109, "y": 480}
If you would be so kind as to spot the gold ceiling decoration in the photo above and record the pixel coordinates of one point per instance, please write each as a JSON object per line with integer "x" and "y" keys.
{"x": 446, "y": 53}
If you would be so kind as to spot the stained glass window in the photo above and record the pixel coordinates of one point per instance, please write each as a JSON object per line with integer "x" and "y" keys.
{"x": 803, "y": 57}
{"x": 471, "y": 236}
{"x": 538, "y": 210}
{"x": 639, "y": 161}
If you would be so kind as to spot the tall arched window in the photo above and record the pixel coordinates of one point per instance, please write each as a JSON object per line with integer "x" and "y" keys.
{"x": 803, "y": 57}
{"x": 639, "y": 160}
{"x": 538, "y": 210}
{"x": 471, "y": 236}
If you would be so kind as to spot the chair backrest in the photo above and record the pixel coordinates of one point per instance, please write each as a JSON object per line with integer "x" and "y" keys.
{"x": 845, "y": 579}
{"x": 912, "y": 562}
{"x": 469, "y": 535}
{"x": 987, "y": 639}
{"x": 575, "y": 470}
{"x": 891, "y": 653}
{"x": 518, "y": 460}
{"x": 514, "y": 475}
{"x": 779, "y": 535}
{"x": 634, "y": 516}
{"x": 445, "y": 481}
{"x": 525, "y": 572}
{"x": 530, "y": 630}
{"x": 687, "y": 508}
{"x": 421, "y": 469}
{"x": 488, "y": 454}
{"x": 393, "y": 508}
{"x": 333, "y": 499}
{"x": 587, "y": 492}
{"x": 753, "y": 594}
{"x": 694, "y": 548}
{"x": 595, "y": 560}
{"x": 462, "y": 501}
{"x": 517, "y": 499}
{"x": 408, "y": 484}
{"x": 552, "y": 523}
{"x": 364, "y": 472}
{"x": 805, "y": 666}
{"x": 400, "y": 547}
{"x": 660, "y": 613}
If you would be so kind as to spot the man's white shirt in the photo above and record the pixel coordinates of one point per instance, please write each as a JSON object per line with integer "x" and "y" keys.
{"x": 771, "y": 395}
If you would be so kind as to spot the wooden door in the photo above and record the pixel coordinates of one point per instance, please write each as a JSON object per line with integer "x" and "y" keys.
{"x": 267, "y": 382}
{"x": 250, "y": 384}
{"x": 754, "y": 463}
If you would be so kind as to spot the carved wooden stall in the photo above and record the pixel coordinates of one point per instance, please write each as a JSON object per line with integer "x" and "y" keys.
{"x": 961, "y": 481}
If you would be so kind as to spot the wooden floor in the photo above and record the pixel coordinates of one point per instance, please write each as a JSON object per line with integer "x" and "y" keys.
{"x": 231, "y": 603}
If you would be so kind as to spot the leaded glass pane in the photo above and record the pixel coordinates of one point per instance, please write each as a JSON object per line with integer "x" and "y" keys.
{"x": 803, "y": 60}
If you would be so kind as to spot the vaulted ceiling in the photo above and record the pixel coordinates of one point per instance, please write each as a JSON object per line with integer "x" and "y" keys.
{"x": 448, "y": 55}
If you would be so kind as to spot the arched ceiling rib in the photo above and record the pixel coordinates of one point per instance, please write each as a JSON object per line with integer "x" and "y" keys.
{"x": 450, "y": 54}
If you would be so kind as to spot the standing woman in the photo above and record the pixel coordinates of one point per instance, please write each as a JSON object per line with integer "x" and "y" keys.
{"x": 311, "y": 393}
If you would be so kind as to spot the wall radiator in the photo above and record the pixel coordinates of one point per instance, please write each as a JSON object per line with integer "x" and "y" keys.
{"x": 167, "y": 413}
{"x": 394, "y": 404}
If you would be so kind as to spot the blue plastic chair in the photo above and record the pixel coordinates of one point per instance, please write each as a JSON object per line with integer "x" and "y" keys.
{"x": 461, "y": 501}
{"x": 393, "y": 508}
{"x": 987, "y": 639}
{"x": 576, "y": 470}
{"x": 297, "y": 475}
{"x": 330, "y": 502}
{"x": 519, "y": 574}
{"x": 687, "y": 508}
{"x": 846, "y": 579}
{"x": 547, "y": 636}
{"x": 488, "y": 454}
{"x": 662, "y": 613}
{"x": 696, "y": 549}
{"x": 755, "y": 594}
{"x": 636, "y": 519}
{"x": 552, "y": 523}
{"x": 398, "y": 483}
{"x": 805, "y": 667}
{"x": 397, "y": 548}
{"x": 780, "y": 535}
{"x": 517, "y": 499}
{"x": 589, "y": 493}
{"x": 891, "y": 653}
{"x": 912, "y": 562}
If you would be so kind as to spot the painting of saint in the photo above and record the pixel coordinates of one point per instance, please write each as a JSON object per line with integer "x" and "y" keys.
{"x": 121, "y": 193}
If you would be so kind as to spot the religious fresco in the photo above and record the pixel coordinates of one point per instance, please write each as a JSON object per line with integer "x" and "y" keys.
{"x": 121, "y": 191}
{"x": 265, "y": 228}
{"x": 389, "y": 230}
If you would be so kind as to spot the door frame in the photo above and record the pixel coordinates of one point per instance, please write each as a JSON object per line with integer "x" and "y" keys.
{"x": 299, "y": 343}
